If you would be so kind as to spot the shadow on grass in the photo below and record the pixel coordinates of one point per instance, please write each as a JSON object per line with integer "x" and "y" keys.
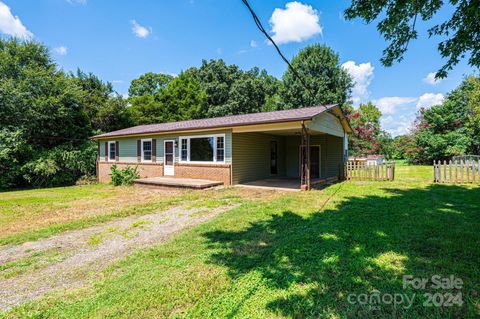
{"x": 313, "y": 262}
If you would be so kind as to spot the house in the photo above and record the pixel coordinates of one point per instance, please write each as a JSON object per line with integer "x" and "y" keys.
{"x": 308, "y": 145}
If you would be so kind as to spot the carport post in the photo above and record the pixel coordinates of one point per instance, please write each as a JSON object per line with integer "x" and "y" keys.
{"x": 305, "y": 159}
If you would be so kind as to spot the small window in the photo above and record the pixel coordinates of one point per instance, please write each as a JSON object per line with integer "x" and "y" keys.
{"x": 184, "y": 149}
{"x": 220, "y": 149}
{"x": 112, "y": 151}
{"x": 147, "y": 150}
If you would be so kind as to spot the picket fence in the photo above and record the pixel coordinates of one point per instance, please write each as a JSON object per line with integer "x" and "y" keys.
{"x": 456, "y": 171}
{"x": 355, "y": 170}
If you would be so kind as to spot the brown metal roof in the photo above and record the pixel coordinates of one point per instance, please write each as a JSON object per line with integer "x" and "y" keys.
{"x": 226, "y": 121}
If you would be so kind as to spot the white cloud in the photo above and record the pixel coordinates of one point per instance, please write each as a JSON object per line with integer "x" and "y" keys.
{"x": 296, "y": 23}
{"x": 362, "y": 75}
{"x": 11, "y": 25}
{"x": 389, "y": 104}
{"x": 117, "y": 81}
{"x": 61, "y": 50}
{"x": 429, "y": 99}
{"x": 140, "y": 31}
{"x": 430, "y": 79}
{"x": 397, "y": 125}
{"x": 253, "y": 44}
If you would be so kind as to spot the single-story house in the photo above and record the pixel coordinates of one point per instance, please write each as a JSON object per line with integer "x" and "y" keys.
{"x": 307, "y": 144}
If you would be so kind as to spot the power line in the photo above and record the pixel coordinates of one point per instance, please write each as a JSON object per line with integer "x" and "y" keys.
{"x": 262, "y": 29}
{"x": 294, "y": 71}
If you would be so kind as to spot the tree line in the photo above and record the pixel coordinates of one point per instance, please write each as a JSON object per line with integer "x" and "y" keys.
{"x": 47, "y": 115}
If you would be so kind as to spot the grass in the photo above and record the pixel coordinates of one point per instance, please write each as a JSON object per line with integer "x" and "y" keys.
{"x": 34, "y": 214}
{"x": 30, "y": 263}
{"x": 299, "y": 255}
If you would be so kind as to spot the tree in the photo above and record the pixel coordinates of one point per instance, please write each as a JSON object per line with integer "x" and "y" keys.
{"x": 459, "y": 34}
{"x": 367, "y": 137}
{"x": 46, "y": 118}
{"x": 232, "y": 91}
{"x": 451, "y": 128}
{"x": 327, "y": 81}
{"x": 106, "y": 109}
{"x": 149, "y": 84}
{"x": 181, "y": 99}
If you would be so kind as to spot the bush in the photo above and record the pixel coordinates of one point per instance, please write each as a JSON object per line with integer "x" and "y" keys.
{"x": 124, "y": 176}
{"x": 61, "y": 165}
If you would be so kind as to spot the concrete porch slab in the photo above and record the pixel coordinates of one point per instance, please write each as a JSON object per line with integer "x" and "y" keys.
{"x": 282, "y": 184}
{"x": 177, "y": 182}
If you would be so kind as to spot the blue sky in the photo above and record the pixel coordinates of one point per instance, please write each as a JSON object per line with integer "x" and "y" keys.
{"x": 120, "y": 40}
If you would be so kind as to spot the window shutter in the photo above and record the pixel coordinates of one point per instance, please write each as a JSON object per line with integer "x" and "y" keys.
{"x": 98, "y": 151}
{"x": 154, "y": 150}
{"x": 106, "y": 151}
{"x": 117, "y": 149}
{"x": 139, "y": 150}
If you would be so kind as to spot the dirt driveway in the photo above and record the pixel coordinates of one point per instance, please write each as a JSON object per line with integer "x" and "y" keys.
{"x": 68, "y": 260}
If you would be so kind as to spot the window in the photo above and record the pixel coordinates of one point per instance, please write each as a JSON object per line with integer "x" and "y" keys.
{"x": 220, "y": 148}
{"x": 184, "y": 150}
{"x": 112, "y": 151}
{"x": 147, "y": 150}
{"x": 203, "y": 149}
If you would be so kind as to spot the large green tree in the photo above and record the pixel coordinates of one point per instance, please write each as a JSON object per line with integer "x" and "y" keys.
{"x": 325, "y": 80}
{"x": 459, "y": 34}
{"x": 149, "y": 84}
{"x": 451, "y": 128}
{"x": 181, "y": 99}
{"x": 46, "y": 118}
{"x": 232, "y": 91}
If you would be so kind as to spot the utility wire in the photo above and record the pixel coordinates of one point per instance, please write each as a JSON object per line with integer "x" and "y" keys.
{"x": 294, "y": 71}
{"x": 262, "y": 29}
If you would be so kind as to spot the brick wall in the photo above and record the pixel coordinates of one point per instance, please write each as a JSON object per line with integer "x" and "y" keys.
{"x": 204, "y": 171}
{"x": 200, "y": 171}
{"x": 144, "y": 169}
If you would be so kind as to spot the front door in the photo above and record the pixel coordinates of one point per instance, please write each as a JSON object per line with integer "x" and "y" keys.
{"x": 273, "y": 158}
{"x": 168, "y": 158}
{"x": 314, "y": 162}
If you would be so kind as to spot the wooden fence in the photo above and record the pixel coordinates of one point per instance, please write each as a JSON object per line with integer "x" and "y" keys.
{"x": 456, "y": 171}
{"x": 361, "y": 171}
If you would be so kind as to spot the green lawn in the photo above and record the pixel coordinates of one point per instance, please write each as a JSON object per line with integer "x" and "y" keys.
{"x": 300, "y": 255}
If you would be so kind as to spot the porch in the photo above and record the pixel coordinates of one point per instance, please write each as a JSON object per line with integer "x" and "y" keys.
{"x": 286, "y": 159}
{"x": 177, "y": 182}
{"x": 285, "y": 184}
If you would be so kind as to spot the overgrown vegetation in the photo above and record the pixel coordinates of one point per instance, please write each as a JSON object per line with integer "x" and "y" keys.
{"x": 124, "y": 176}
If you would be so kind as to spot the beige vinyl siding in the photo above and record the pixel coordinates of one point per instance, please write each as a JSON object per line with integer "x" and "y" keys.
{"x": 327, "y": 123}
{"x": 334, "y": 156}
{"x": 331, "y": 154}
{"x": 251, "y": 156}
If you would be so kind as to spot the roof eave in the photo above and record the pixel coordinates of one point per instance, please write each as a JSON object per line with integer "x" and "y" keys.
{"x": 214, "y": 127}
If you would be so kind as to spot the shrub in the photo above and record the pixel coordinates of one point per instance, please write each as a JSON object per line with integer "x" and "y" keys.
{"x": 61, "y": 165}
{"x": 124, "y": 176}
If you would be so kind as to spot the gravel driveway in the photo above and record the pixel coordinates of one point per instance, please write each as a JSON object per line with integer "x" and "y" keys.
{"x": 79, "y": 253}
